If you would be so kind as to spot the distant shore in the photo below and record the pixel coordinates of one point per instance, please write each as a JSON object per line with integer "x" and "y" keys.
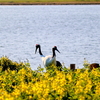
{"x": 50, "y": 3}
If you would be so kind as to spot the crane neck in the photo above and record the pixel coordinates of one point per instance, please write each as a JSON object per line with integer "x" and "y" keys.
{"x": 40, "y": 51}
{"x": 54, "y": 54}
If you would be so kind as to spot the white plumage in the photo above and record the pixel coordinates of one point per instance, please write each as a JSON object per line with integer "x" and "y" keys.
{"x": 47, "y": 60}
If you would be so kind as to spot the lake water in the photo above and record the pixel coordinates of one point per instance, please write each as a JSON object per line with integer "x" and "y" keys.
{"x": 74, "y": 29}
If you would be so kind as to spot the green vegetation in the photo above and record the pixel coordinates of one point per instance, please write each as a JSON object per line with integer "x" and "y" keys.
{"x": 6, "y": 63}
{"x": 48, "y": 1}
{"x": 52, "y": 84}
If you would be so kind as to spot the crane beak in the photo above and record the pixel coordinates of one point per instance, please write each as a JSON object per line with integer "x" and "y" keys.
{"x": 58, "y": 50}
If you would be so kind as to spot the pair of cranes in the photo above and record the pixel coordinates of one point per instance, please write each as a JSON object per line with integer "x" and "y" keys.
{"x": 48, "y": 60}
{"x": 51, "y": 59}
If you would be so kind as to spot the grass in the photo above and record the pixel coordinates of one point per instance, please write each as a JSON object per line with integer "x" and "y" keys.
{"x": 48, "y": 1}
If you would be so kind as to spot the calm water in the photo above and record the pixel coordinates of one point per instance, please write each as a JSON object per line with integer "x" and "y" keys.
{"x": 74, "y": 29}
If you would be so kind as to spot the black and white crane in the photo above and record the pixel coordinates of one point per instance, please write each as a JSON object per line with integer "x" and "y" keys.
{"x": 50, "y": 59}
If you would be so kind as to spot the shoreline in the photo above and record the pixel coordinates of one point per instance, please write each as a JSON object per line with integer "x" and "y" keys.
{"x": 51, "y": 3}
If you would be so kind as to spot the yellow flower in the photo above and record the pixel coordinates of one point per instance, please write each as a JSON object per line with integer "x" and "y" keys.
{"x": 16, "y": 93}
{"x": 82, "y": 97}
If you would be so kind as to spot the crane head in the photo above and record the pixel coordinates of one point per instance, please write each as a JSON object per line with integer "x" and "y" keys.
{"x": 55, "y": 48}
{"x": 37, "y": 46}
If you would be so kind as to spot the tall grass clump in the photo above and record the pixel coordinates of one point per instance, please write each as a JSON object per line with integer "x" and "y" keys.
{"x": 52, "y": 84}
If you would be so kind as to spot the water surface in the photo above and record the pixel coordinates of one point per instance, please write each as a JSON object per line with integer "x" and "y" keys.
{"x": 74, "y": 29}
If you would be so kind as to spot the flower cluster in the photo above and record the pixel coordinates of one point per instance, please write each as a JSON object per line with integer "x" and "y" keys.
{"x": 27, "y": 84}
